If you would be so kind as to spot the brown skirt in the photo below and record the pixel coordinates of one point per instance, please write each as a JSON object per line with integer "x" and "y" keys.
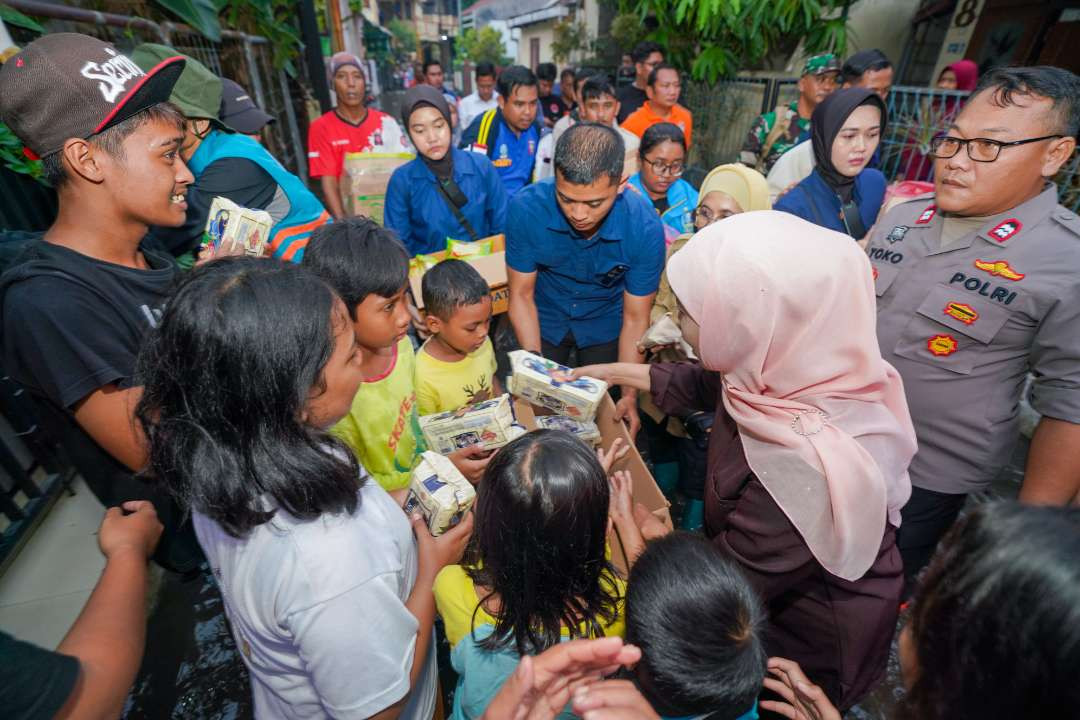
{"x": 838, "y": 631}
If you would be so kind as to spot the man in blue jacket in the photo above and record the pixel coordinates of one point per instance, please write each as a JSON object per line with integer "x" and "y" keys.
{"x": 508, "y": 135}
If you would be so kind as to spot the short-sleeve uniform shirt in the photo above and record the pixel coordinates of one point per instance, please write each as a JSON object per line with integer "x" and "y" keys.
{"x": 965, "y": 323}
{"x": 330, "y": 137}
{"x": 580, "y": 281}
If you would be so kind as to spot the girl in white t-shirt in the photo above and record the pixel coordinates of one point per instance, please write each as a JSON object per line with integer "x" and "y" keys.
{"x": 328, "y": 592}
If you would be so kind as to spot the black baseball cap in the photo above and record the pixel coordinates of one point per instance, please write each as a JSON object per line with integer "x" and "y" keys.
{"x": 67, "y": 85}
{"x": 239, "y": 111}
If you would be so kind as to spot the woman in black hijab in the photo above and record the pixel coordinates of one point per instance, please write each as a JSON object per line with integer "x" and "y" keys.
{"x": 841, "y": 193}
{"x": 445, "y": 192}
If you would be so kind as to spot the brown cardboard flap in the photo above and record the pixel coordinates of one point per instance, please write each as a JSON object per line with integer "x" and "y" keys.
{"x": 491, "y": 267}
{"x": 644, "y": 486}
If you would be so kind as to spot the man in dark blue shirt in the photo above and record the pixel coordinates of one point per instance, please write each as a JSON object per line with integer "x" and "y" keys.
{"x": 584, "y": 260}
{"x": 509, "y": 134}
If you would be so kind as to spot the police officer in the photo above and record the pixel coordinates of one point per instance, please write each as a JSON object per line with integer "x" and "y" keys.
{"x": 976, "y": 288}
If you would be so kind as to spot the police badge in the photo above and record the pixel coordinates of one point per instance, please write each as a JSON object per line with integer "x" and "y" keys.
{"x": 897, "y": 234}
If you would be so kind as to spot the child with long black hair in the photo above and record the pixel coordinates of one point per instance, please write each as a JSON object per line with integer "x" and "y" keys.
{"x": 536, "y": 571}
{"x": 328, "y": 594}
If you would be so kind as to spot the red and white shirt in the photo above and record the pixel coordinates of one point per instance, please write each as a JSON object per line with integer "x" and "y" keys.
{"x": 330, "y": 137}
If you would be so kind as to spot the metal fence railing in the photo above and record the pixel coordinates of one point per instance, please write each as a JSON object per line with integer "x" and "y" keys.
{"x": 247, "y": 59}
{"x": 724, "y": 112}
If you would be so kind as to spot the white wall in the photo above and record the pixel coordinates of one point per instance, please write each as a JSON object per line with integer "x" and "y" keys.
{"x": 881, "y": 24}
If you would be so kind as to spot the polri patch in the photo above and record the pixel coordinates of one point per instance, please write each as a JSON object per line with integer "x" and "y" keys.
{"x": 941, "y": 345}
{"x": 897, "y": 234}
{"x": 999, "y": 268}
{"x": 1006, "y": 229}
{"x": 927, "y": 215}
{"x": 962, "y": 312}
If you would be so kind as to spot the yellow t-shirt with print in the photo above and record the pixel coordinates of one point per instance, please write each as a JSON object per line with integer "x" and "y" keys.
{"x": 442, "y": 386}
{"x": 382, "y": 426}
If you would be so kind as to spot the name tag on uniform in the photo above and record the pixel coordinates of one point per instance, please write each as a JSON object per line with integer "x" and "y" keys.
{"x": 613, "y": 275}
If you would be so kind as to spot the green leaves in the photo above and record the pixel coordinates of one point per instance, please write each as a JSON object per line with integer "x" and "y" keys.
{"x": 201, "y": 15}
{"x": 12, "y": 157}
{"x": 716, "y": 38}
{"x": 11, "y": 16}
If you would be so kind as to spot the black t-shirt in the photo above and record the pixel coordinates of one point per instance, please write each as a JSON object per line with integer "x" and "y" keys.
{"x": 661, "y": 204}
{"x": 630, "y": 99}
{"x": 554, "y": 107}
{"x": 72, "y": 324}
{"x": 34, "y": 682}
{"x": 238, "y": 179}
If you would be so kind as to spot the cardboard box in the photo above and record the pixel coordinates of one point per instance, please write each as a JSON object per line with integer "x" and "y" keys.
{"x": 488, "y": 425}
{"x": 492, "y": 267}
{"x": 538, "y": 380}
{"x": 235, "y": 230}
{"x": 440, "y": 492}
{"x": 644, "y": 487}
{"x": 364, "y": 181}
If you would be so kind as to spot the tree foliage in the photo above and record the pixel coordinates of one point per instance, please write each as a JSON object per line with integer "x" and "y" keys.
{"x": 483, "y": 45}
{"x": 569, "y": 37}
{"x": 716, "y": 38}
{"x": 405, "y": 39}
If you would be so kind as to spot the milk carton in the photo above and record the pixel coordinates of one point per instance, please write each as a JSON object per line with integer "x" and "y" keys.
{"x": 543, "y": 382}
{"x": 488, "y": 425}
{"x": 439, "y": 492}
{"x": 587, "y": 431}
{"x": 235, "y": 230}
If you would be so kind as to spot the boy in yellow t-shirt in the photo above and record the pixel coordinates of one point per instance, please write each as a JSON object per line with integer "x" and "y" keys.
{"x": 369, "y": 269}
{"x": 456, "y": 366}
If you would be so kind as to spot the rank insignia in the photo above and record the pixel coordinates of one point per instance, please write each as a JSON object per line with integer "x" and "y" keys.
{"x": 927, "y": 215}
{"x": 962, "y": 312}
{"x": 1006, "y": 230}
{"x": 999, "y": 268}
{"x": 941, "y": 345}
{"x": 897, "y": 234}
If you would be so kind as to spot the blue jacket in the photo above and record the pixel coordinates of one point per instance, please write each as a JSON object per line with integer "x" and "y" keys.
{"x": 289, "y": 235}
{"x": 816, "y": 202}
{"x": 418, "y": 212}
{"x": 682, "y": 200}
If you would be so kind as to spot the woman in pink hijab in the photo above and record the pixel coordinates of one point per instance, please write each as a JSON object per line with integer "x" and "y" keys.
{"x": 808, "y": 456}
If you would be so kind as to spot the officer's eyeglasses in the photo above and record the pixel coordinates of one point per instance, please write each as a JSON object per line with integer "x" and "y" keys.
{"x": 660, "y": 167}
{"x": 978, "y": 149}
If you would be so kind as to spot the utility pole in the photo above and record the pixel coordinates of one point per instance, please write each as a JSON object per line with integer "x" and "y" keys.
{"x": 309, "y": 32}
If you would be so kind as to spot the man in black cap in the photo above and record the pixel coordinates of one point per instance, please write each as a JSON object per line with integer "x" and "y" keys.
{"x": 240, "y": 112}
{"x": 869, "y": 69}
{"x": 75, "y": 305}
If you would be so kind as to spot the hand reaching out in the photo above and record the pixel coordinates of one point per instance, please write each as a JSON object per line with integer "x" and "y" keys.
{"x": 803, "y": 699}
{"x": 542, "y": 685}
{"x": 138, "y": 531}
{"x": 612, "y": 455}
{"x": 612, "y": 700}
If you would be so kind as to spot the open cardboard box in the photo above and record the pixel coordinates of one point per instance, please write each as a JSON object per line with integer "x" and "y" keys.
{"x": 644, "y": 487}
{"x": 492, "y": 267}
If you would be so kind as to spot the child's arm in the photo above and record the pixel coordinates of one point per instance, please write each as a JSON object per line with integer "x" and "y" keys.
{"x": 434, "y": 555}
{"x": 621, "y": 512}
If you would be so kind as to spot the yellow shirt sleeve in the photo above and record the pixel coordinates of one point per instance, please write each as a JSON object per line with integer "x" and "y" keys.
{"x": 456, "y": 600}
{"x": 427, "y": 391}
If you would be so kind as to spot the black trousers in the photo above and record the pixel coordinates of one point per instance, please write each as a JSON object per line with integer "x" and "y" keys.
{"x": 593, "y": 355}
{"x": 926, "y": 518}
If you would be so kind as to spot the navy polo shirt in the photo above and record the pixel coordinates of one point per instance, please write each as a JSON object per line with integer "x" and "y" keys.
{"x": 580, "y": 282}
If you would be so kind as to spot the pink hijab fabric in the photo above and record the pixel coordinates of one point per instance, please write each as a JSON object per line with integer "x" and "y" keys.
{"x": 788, "y": 318}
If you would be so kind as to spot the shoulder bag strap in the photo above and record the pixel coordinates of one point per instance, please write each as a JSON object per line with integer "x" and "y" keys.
{"x": 455, "y": 200}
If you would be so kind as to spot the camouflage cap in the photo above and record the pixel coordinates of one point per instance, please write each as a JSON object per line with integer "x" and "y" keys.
{"x": 197, "y": 92}
{"x": 821, "y": 64}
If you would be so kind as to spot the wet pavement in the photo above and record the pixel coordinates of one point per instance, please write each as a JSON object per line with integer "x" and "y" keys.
{"x": 193, "y": 671}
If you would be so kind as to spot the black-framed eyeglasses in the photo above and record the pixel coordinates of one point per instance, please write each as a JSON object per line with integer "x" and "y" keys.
{"x": 660, "y": 167}
{"x": 978, "y": 149}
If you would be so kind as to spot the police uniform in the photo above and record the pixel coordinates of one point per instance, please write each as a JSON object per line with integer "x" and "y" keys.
{"x": 964, "y": 325}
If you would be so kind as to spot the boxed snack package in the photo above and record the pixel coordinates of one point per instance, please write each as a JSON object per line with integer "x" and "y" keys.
{"x": 542, "y": 382}
{"x": 440, "y": 492}
{"x": 365, "y": 179}
{"x": 587, "y": 430}
{"x": 488, "y": 424}
{"x": 235, "y": 230}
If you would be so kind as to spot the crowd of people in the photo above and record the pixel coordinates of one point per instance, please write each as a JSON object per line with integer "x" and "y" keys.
{"x": 848, "y": 371}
